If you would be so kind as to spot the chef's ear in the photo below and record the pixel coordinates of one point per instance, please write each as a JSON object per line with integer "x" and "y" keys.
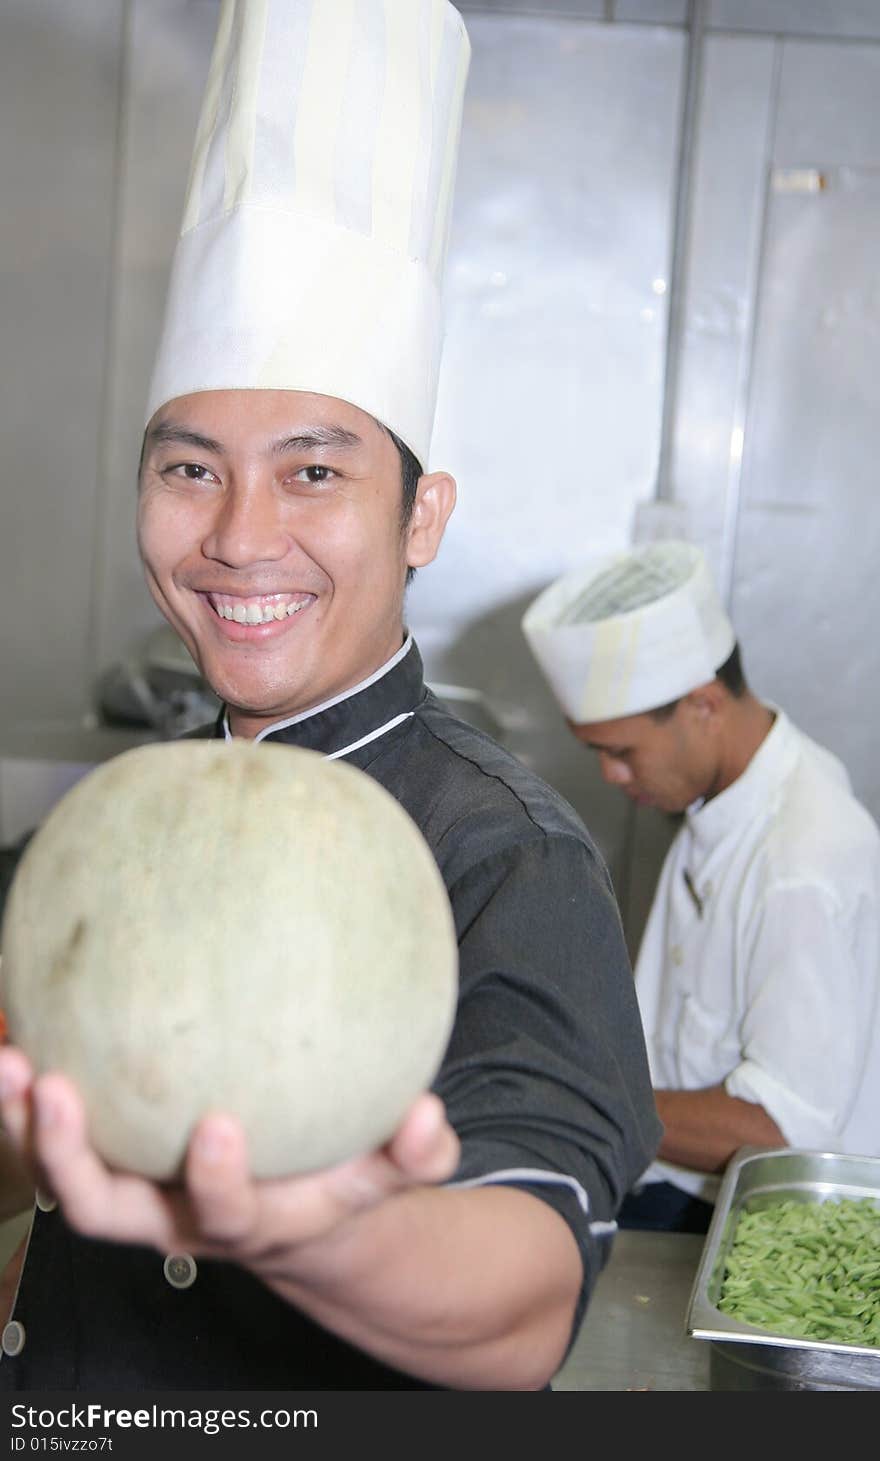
{"x": 434, "y": 501}
{"x": 706, "y": 701}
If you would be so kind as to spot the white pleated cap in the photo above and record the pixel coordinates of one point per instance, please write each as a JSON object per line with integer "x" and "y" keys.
{"x": 629, "y": 632}
{"x": 317, "y": 214}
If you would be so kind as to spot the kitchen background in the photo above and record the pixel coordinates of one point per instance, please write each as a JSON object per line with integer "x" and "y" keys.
{"x": 662, "y": 302}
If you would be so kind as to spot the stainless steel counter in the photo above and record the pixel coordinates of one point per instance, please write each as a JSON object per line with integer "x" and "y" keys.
{"x": 634, "y": 1336}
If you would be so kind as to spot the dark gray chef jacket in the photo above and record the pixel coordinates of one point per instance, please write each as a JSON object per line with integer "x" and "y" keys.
{"x": 545, "y": 1078}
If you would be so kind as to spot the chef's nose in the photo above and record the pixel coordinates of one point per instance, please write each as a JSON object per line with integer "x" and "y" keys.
{"x": 247, "y": 527}
{"x": 614, "y": 770}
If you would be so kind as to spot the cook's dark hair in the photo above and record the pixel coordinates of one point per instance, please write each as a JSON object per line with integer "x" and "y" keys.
{"x": 731, "y": 676}
{"x": 410, "y": 472}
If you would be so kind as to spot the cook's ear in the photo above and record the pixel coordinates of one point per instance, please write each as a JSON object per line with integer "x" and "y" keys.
{"x": 706, "y": 701}
{"x": 435, "y": 499}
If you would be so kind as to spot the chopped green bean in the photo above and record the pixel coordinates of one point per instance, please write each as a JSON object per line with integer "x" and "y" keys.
{"x": 807, "y": 1270}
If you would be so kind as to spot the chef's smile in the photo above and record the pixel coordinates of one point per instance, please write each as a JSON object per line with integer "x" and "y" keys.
{"x": 241, "y": 615}
{"x": 272, "y": 532}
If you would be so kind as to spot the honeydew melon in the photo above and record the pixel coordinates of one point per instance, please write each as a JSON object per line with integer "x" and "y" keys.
{"x": 236, "y": 926}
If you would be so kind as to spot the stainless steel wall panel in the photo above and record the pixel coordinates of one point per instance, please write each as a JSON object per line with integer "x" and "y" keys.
{"x": 550, "y": 389}
{"x": 664, "y": 12}
{"x": 544, "y": 9}
{"x": 59, "y": 92}
{"x": 829, "y": 105}
{"x": 734, "y": 132}
{"x": 805, "y": 599}
{"x": 806, "y": 545}
{"x": 856, "y": 19}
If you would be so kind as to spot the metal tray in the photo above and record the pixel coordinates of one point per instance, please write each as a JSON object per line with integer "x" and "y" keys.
{"x": 745, "y": 1356}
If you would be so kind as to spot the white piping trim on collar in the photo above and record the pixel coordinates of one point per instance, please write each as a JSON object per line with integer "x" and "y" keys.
{"x": 337, "y": 699}
{"x": 371, "y": 736}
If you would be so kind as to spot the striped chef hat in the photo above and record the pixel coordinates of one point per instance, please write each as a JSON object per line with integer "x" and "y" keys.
{"x": 317, "y": 214}
{"x": 629, "y": 632}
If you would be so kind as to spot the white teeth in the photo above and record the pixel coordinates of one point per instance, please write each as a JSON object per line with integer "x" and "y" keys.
{"x": 260, "y": 613}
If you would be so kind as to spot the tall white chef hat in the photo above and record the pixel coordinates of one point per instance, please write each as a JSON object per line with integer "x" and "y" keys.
{"x": 629, "y": 632}
{"x": 317, "y": 215}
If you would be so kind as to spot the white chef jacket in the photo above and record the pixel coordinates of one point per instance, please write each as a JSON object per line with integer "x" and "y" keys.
{"x": 761, "y": 968}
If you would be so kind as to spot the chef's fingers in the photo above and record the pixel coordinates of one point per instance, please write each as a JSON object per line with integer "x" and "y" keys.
{"x": 252, "y": 1219}
{"x": 98, "y": 1202}
{"x": 261, "y": 1221}
{"x": 223, "y": 1196}
{"x": 425, "y": 1148}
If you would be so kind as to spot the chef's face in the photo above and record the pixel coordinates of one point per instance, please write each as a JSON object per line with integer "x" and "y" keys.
{"x": 664, "y": 762}
{"x": 271, "y": 530}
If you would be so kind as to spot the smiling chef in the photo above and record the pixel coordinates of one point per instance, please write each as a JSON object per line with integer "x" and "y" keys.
{"x": 284, "y": 502}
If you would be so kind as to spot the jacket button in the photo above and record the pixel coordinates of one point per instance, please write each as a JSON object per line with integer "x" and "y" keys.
{"x": 180, "y": 1270}
{"x": 12, "y": 1342}
{"x": 676, "y": 954}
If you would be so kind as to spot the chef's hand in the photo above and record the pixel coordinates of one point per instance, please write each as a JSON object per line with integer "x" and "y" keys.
{"x": 219, "y": 1210}
{"x": 473, "y": 1288}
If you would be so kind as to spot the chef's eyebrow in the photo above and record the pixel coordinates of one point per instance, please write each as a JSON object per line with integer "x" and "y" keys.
{"x": 309, "y": 439}
{"x": 172, "y": 431}
{"x": 313, "y": 437}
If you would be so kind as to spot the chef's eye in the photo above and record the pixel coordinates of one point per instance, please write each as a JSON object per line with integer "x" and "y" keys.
{"x": 191, "y": 472}
{"x": 315, "y": 474}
